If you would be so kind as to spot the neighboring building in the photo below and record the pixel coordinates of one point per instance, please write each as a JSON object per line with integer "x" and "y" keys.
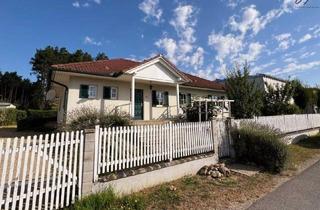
{"x": 156, "y": 86}
{"x": 263, "y": 80}
{"x": 7, "y": 105}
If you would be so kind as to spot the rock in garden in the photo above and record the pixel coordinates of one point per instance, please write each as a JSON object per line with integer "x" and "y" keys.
{"x": 215, "y": 174}
{"x": 225, "y": 171}
{"x": 203, "y": 171}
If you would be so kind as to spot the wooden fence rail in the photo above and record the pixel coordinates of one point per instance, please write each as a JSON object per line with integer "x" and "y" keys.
{"x": 40, "y": 172}
{"x": 127, "y": 147}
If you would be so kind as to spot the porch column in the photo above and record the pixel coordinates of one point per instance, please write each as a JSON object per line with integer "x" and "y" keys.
{"x": 132, "y": 96}
{"x": 178, "y": 99}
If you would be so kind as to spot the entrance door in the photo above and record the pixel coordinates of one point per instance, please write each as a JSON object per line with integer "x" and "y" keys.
{"x": 138, "y": 104}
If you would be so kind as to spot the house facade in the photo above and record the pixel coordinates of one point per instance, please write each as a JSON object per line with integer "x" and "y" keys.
{"x": 158, "y": 89}
{"x": 262, "y": 81}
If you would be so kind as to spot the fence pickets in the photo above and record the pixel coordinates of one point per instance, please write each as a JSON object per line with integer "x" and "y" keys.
{"x": 131, "y": 146}
{"x": 40, "y": 172}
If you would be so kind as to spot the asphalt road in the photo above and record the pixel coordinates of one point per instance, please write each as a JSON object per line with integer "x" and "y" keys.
{"x": 302, "y": 192}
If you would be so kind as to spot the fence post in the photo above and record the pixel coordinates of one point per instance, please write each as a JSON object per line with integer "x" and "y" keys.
{"x": 215, "y": 136}
{"x": 88, "y": 161}
{"x": 170, "y": 141}
{"x": 229, "y": 124}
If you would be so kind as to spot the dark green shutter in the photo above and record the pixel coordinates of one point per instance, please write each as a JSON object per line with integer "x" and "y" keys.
{"x": 154, "y": 98}
{"x": 106, "y": 92}
{"x": 84, "y": 91}
{"x": 188, "y": 99}
{"x": 166, "y": 99}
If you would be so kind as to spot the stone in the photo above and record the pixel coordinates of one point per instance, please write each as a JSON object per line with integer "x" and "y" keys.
{"x": 112, "y": 177}
{"x": 203, "y": 171}
{"x": 215, "y": 174}
{"x": 142, "y": 170}
{"x": 122, "y": 174}
{"x": 225, "y": 171}
{"x": 131, "y": 172}
{"x": 172, "y": 188}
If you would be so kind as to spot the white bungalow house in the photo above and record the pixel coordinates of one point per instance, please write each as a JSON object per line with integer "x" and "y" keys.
{"x": 156, "y": 86}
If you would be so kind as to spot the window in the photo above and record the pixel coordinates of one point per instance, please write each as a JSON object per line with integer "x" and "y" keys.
{"x": 160, "y": 98}
{"x": 110, "y": 93}
{"x": 185, "y": 98}
{"x": 88, "y": 91}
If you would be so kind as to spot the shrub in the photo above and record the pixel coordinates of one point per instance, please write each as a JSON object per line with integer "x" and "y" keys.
{"x": 87, "y": 117}
{"x": 109, "y": 200}
{"x": 114, "y": 119}
{"x": 8, "y": 117}
{"x": 21, "y": 114}
{"x": 261, "y": 145}
{"x": 37, "y": 120}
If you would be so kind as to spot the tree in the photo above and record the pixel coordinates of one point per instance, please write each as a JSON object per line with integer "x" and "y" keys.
{"x": 278, "y": 100}
{"x": 101, "y": 56}
{"x": 44, "y": 58}
{"x": 247, "y": 97}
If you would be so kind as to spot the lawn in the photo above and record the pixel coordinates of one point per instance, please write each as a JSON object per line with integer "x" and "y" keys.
{"x": 197, "y": 192}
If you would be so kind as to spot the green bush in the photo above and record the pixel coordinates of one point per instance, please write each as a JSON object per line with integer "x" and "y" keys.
{"x": 109, "y": 200}
{"x": 87, "y": 117}
{"x": 7, "y": 117}
{"x": 37, "y": 120}
{"x": 261, "y": 145}
{"x": 21, "y": 114}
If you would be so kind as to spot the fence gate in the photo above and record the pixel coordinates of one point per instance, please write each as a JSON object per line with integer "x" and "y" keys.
{"x": 42, "y": 172}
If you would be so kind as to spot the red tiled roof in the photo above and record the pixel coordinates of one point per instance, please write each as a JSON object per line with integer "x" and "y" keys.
{"x": 202, "y": 83}
{"x": 101, "y": 67}
{"x": 116, "y": 67}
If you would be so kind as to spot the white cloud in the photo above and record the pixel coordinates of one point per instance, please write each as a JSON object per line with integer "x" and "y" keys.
{"x": 225, "y": 45}
{"x": 184, "y": 20}
{"x": 91, "y": 41}
{"x": 183, "y": 50}
{"x": 307, "y": 54}
{"x": 97, "y": 1}
{"x": 296, "y": 67}
{"x": 76, "y": 4}
{"x": 285, "y": 41}
{"x": 260, "y": 68}
{"x": 290, "y": 60}
{"x": 305, "y": 38}
{"x": 254, "y": 51}
{"x": 233, "y": 3}
{"x": 252, "y": 20}
{"x": 152, "y": 10}
{"x": 170, "y": 46}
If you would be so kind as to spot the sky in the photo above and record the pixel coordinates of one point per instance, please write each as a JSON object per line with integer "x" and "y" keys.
{"x": 202, "y": 37}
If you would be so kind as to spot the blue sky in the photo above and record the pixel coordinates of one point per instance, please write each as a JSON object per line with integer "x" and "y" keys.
{"x": 204, "y": 37}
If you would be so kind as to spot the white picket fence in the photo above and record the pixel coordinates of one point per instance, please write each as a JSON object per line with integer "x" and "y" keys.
{"x": 42, "y": 172}
{"x": 120, "y": 148}
{"x": 289, "y": 123}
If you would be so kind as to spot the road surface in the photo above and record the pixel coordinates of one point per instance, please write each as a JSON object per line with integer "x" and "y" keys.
{"x": 302, "y": 192}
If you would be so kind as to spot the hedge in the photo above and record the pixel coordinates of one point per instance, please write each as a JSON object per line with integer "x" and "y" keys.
{"x": 37, "y": 120}
{"x": 7, "y": 116}
{"x": 261, "y": 145}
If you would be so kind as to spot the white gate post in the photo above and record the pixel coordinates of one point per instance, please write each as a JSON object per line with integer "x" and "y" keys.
{"x": 88, "y": 162}
{"x": 215, "y": 136}
{"x": 170, "y": 141}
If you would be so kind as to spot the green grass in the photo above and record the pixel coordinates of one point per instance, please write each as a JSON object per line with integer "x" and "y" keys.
{"x": 302, "y": 151}
{"x": 109, "y": 200}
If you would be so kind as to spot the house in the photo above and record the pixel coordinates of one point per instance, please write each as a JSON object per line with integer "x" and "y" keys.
{"x": 157, "y": 87}
{"x": 262, "y": 81}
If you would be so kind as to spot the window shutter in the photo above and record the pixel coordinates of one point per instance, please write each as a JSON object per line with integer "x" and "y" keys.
{"x": 166, "y": 98}
{"x": 188, "y": 99}
{"x": 84, "y": 91}
{"x": 154, "y": 98}
{"x": 106, "y": 92}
